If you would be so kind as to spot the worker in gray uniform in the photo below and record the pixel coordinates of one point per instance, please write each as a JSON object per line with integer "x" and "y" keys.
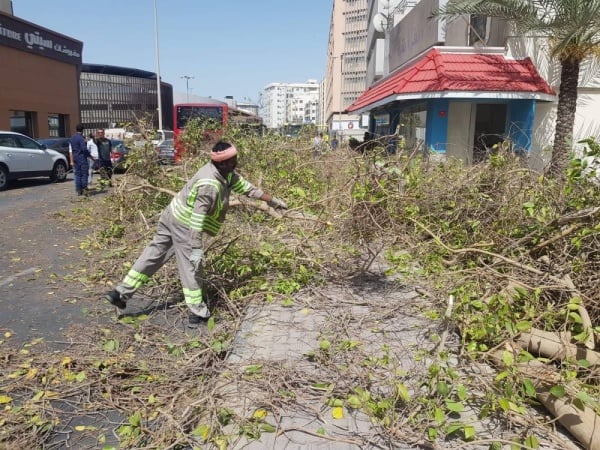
{"x": 199, "y": 207}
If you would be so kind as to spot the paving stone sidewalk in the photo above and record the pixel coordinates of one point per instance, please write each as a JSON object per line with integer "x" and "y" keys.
{"x": 271, "y": 356}
{"x": 374, "y": 315}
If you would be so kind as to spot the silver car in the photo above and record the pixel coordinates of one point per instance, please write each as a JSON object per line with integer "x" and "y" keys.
{"x": 22, "y": 157}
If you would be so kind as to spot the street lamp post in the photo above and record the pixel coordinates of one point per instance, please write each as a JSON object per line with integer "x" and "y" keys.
{"x": 341, "y": 137}
{"x": 187, "y": 86}
{"x": 159, "y": 98}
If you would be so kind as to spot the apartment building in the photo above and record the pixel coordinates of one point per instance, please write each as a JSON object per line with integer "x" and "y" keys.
{"x": 345, "y": 77}
{"x": 286, "y": 103}
{"x": 458, "y": 87}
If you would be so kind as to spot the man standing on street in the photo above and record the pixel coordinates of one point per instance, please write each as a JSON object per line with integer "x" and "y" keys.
{"x": 105, "y": 167}
{"x": 199, "y": 207}
{"x": 93, "y": 149}
{"x": 80, "y": 160}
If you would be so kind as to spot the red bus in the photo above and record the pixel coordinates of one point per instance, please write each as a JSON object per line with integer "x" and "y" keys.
{"x": 213, "y": 110}
{"x": 219, "y": 113}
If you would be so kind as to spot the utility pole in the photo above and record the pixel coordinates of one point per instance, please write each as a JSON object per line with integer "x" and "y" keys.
{"x": 159, "y": 98}
{"x": 187, "y": 85}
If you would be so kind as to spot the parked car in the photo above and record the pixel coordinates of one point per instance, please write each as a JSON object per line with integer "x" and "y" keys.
{"x": 162, "y": 135}
{"x": 60, "y": 144}
{"x": 118, "y": 155}
{"x": 22, "y": 157}
{"x": 166, "y": 151}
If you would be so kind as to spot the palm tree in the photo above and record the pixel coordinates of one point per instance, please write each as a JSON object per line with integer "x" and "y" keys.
{"x": 572, "y": 28}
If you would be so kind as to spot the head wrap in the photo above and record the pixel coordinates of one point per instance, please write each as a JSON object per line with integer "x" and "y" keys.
{"x": 224, "y": 155}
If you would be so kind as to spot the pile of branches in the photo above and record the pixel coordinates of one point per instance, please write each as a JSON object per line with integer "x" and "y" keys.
{"x": 511, "y": 256}
{"x": 517, "y": 256}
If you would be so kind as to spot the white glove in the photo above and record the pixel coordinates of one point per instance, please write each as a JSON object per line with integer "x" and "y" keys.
{"x": 196, "y": 256}
{"x": 275, "y": 203}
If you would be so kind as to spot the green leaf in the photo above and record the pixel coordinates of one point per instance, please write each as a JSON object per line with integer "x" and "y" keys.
{"x": 502, "y": 375}
{"x": 583, "y": 363}
{"x": 504, "y": 404}
{"x": 558, "y": 391}
{"x": 402, "y": 392}
{"x": 532, "y": 442}
{"x": 335, "y": 402}
{"x": 136, "y": 419}
{"x": 325, "y": 345}
{"x": 461, "y": 392}
{"x": 455, "y": 406}
{"x": 254, "y": 369}
{"x": 516, "y": 408}
{"x": 580, "y": 405}
{"x": 583, "y": 336}
{"x": 521, "y": 291}
{"x": 586, "y": 398}
{"x": 354, "y": 402}
{"x": 210, "y": 325}
{"x": 80, "y": 376}
{"x": 529, "y": 387}
{"x": 508, "y": 358}
{"x": 442, "y": 388}
{"x": 439, "y": 415}
{"x": 575, "y": 317}
{"x": 202, "y": 431}
{"x": 469, "y": 432}
{"x": 267, "y": 428}
{"x": 454, "y": 427}
{"x": 524, "y": 325}
{"x": 432, "y": 433}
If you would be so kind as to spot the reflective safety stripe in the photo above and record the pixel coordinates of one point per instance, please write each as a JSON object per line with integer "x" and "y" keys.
{"x": 193, "y": 296}
{"x": 184, "y": 213}
{"x": 135, "y": 279}
{"x": 241, "y": 186}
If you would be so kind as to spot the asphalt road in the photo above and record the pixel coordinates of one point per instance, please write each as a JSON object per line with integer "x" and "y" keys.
{"x": 39, "y": 253}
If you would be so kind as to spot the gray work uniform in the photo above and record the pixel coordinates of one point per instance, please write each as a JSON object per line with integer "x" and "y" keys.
{"x": 199, "y": 207}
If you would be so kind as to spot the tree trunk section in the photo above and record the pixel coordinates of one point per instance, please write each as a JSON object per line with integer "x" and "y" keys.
{"x": 565, "y": 117}
{"x": 556, "y": 346}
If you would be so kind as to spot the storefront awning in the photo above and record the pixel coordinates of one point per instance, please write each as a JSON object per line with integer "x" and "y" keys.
{"x": 458, "y": 75}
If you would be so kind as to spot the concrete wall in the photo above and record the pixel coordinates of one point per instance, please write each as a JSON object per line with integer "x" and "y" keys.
{"x": 6, "y": 6}
{"x": 38, "y": 84}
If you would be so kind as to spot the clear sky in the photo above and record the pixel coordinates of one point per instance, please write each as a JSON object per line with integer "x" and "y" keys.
{"x": 230, "y": 47}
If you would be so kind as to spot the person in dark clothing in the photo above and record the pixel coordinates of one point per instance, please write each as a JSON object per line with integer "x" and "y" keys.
{"x": 105, "y": 167}
{"x": 80, "y": 160}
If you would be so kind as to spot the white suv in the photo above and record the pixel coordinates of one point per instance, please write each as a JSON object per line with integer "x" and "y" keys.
{"x": 22, "y": 157}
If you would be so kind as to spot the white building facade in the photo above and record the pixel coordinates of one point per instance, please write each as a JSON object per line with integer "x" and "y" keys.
{"x": 290, "y": 103}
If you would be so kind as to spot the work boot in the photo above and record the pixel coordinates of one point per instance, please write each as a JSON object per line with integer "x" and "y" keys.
{"x": 198, "y": 314}
{"x": 115, "y": 298}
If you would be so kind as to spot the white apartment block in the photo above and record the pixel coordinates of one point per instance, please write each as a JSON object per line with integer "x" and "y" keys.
{"x": 286, "y": 103}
